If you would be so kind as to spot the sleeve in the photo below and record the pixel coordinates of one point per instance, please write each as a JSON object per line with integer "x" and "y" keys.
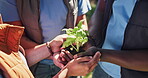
{"x": 8, "y": 10}
{"x": 1, "y": 76}
{"x": 83, "y": 6}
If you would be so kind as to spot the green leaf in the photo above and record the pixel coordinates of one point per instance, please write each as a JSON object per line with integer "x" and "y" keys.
{"x": 77, "y": 36}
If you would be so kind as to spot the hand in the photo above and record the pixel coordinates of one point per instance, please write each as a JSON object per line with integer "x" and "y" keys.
{"x": 89, "y": 52}
{"x": 62, "y": 58}
{"x": 82, "y": 66}
{"x": 90, "y": 43}
{"x": 56, "y": 43}
{"x": 66, "y": 55}
{"x": 58, "y": 60}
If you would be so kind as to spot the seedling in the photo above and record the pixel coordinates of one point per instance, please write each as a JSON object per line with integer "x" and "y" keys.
{"x": 77, "y": 37}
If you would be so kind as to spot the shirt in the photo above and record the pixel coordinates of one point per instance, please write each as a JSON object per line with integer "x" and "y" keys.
{"x": 122, "y": 11}
{"x": 53, "y": 16}
{"x": 8, "y": 10}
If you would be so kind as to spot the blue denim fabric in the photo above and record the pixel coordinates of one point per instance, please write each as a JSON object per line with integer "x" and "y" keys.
{"x": 100, "y": 73}
{"x": 44, "y": 68}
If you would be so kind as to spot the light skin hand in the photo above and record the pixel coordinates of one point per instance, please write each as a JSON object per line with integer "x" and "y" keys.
{"x": 66, "y": 55}
{"x": 57, "y": 42}
{"x": 62, "y": 58}
{"x": 58, "y": 60}
{"x": 55, "y": 46}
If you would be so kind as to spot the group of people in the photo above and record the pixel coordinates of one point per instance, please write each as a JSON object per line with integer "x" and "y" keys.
{"x": 117, "y": 39}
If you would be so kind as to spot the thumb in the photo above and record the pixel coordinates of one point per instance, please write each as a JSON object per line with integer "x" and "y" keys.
{"x": 95, "y": 59}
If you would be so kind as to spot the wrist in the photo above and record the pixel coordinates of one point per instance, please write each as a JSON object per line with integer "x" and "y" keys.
{"x": 62, "y": 73}
{"x": 49, "y": 48}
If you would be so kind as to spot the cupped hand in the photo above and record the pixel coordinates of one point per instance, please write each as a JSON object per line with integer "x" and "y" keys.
{"x": 82, "y": 66}
{"x": 89, "y": 52}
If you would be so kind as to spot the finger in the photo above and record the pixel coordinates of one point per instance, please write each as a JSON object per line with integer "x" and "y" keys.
{"x": 64, "y": 56}
{"x": 63, "y": 59}
{"x": 64, "y": 63}
{"x": 75, "y": 56}
{"x": 69, "y": 54}
{"x": 59, "y": 64}
{"x": 92, "y": 67}
{"x": 95, "y": 59}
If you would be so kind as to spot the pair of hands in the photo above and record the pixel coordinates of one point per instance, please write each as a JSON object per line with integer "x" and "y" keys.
{"x": 76, "y": 65}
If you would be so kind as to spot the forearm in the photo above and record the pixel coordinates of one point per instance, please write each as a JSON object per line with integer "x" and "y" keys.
{"x": 83, "y": 17}
{"x": 62, "y": 73}
{"x": 131, "y": 59}
{"x": 36, "y": 54}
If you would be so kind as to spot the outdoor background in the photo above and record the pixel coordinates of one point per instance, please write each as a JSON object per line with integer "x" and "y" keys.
{"x": 89, "y": 14}
{"x": 93, "y": 5}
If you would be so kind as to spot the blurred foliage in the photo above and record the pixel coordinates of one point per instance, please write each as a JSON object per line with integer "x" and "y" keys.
{"x": 89, "y": 13}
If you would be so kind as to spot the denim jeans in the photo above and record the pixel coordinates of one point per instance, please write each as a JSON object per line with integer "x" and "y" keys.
{"x": 46, "y": 71}
{"x": 100, "y": 73}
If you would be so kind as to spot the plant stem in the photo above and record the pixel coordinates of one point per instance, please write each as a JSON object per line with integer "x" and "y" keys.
{"x": 74, "y": 48}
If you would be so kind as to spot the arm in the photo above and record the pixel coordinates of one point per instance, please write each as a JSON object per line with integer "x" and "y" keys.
{"x": 41, "y": 52}
{"x": 131, "y": 59}
{"x": 36, "y": 54}
{"x": 83, "y": 17}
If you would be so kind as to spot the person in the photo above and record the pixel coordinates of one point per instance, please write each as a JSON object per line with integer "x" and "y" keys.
{"x": 118, "y": 29}
{"x": 13, "y": 58}
{"x": 50, "y": 16}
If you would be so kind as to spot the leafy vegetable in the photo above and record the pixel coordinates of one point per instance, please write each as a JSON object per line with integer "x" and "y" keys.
{"x": 77, "y": 37}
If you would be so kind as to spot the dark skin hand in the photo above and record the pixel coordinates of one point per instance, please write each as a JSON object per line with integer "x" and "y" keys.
{"x": 66, "y": 56}
{"x": 131, "y": 59}
{"x": 83, "y": 65}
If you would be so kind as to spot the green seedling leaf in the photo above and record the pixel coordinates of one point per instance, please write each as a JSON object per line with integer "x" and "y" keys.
{"x": 76, "y": 36}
